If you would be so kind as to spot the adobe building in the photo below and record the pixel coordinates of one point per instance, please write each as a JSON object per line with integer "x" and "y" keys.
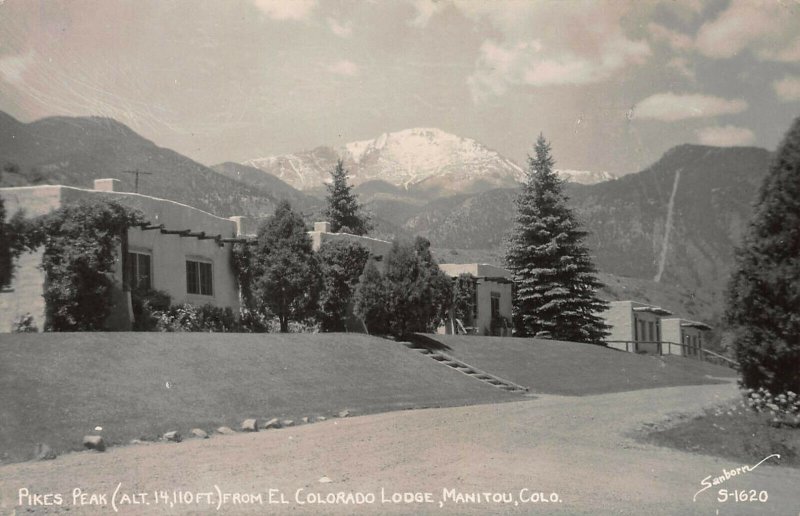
{"x": 182, "y": 250}
{"x": 635, "y": 326}
{"x": 683, "y": 337}
{"x": 377, "y": 248}
{"x": 492, "y": 296}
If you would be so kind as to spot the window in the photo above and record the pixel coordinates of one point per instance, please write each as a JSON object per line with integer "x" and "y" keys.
{"x": 139, "y": 275}
{"x": 198, "y": 278}
{"x": 652, "y": 327}
{"x": 495, "y": 305}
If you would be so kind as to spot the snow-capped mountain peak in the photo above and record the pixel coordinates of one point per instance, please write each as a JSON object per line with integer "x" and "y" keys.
{"x": 421, "y": 158}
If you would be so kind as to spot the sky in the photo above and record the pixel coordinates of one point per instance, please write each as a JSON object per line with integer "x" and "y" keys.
{"x": 612, "y": 85}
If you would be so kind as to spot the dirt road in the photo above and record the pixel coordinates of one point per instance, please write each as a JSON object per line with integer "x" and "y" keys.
{"x": 576, "y": 450}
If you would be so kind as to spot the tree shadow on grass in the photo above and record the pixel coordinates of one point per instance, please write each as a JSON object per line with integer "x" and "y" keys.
{"x": 421, "y": 341}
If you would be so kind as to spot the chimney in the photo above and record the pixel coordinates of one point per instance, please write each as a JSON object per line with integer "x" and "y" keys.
{"x": 108, "y": 185}
{"x": 323, "y": 227}
{"x": 242, "y": 224}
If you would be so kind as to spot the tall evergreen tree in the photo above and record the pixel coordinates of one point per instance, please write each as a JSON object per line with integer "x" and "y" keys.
{"x": 344, "y": 211}
{"x": 764, "y": 292}
{"x": 554, "y": 276}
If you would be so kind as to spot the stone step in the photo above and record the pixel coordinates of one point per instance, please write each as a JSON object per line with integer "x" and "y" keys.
{"x": 466, "y": 369}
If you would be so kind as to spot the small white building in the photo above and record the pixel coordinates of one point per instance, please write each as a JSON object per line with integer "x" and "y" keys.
{"x": 182, "y": 251}
{"x": 635, "y": 326}
{"x": 378, "y": 249}
{"x": 683, "y": 337}
{"x": 492, "y": 298}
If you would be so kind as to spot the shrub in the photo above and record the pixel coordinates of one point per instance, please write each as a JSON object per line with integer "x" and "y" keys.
{"x": 464, "y": 298}
{"x": 784, "y": 408}
{"x": 370, "y": 300}
{"x": 192, "y": 318}
{"x": 341, "y": 263}
{"x": 80, "y": 251}
{"x": 254, "y": 321}
{"x": 499, "y": 326}
{"x": 24, "y": 324}
{"x": 146, "y": 303}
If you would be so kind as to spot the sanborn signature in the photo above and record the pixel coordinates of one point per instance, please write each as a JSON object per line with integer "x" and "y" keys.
{"x": 727, "y": 474}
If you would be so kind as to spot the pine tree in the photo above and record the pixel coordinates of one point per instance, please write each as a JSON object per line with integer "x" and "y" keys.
{"x": 764, "y": 292}
{"x": 343, "y": 211}
{"x": 554, "y": 276}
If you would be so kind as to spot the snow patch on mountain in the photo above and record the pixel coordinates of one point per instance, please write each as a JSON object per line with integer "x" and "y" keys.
{"x": 585, "y": 177}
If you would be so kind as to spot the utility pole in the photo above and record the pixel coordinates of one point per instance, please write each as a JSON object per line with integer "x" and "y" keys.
{"x": 137, "y": 172}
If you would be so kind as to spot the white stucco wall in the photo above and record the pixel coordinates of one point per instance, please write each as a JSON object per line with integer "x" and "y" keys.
{"x": 377, "y": 248}
{"x": 168, "y": 252}
{"x": 488, "y": 282}
{"x": 681, "y": 331}
{"x": 631, "y": 325}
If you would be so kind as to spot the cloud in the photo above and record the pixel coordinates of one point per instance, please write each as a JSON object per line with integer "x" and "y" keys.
{"x": 676, "y": 40}
{"x": 788, "y": 88}
{"x": 344, "y": 67}
{"x": 286, "y": 9}
{"x": 550, "y": 44}
{"x": 12, "y": 67}
{"x": 669, "y": 107}
{"x": 725, "y": 136}
{"x": 529, "y": 63}
{"x": 426, "y": 9}
{"x": 769, "y": 28}
{"x": 343, "y": 30}
{"x": 681, "y": 65}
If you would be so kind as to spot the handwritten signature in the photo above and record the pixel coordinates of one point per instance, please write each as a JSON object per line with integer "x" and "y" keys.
{"x": 727, "y": 474}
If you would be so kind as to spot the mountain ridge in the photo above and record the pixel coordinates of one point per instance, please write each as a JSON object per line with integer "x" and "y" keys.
{"x": 677, "y": 220}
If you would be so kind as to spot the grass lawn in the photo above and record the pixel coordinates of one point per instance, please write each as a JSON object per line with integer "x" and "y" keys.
{"x": 733, "y": 432}
{"x": 56, "y": 388}
{"x": 570, "y": 368}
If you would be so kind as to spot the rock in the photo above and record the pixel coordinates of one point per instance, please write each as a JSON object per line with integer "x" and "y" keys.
{"x": 198, "y": 432}
{"x": 344, "y": 413}
{"x": 44, "y": 452}
{"x": 304, "y": 420}
{"x": 325, "y": 480}
{"x": 272, "y": 423}
{"x": 321, "y": 418}
{"x": 250, "y": 425}
{"x": 225, "y": 430}
{"x": 287, "y": 422}
{"x": 136, "y": 441}
{"x": 94, "y": 442}
{"x": 173, "y": 436}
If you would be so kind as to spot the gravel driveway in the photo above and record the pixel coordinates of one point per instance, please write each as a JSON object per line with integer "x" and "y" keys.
{"x": 503, "y": 458}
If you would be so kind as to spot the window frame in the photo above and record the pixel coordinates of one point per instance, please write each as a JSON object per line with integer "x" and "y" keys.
{"x": 198, "y": 266}
{"x": 133, "y": 265}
